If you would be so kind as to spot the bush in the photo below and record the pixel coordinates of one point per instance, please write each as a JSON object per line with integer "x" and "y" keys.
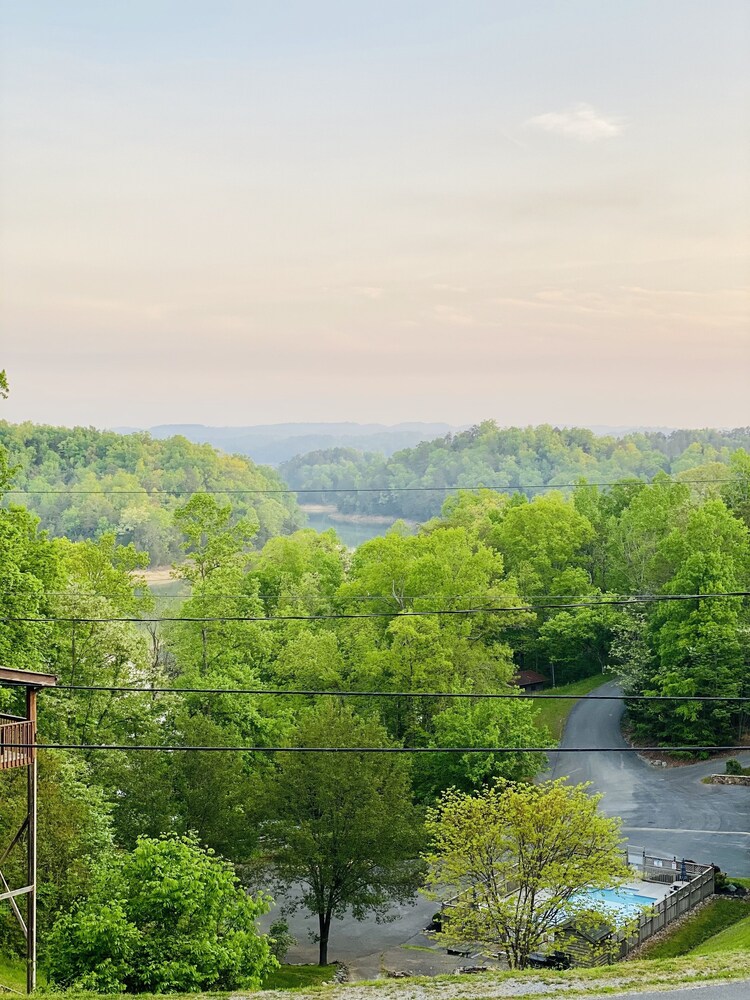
{"x": 280, "y": 939}
{"x": 169, "y": 916}
{"x": 734, "y": 767}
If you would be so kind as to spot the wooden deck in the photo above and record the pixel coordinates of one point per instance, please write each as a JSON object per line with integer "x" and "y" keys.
{"x": 11, "y": 735}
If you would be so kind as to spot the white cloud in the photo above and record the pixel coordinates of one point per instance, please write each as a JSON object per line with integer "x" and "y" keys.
{"x": 581, "y": 121}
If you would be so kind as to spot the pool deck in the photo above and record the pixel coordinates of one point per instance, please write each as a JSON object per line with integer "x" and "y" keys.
{"x": 654, "y": 890}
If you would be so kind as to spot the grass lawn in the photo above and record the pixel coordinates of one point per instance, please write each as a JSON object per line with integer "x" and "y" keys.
{"x": 288, "y": 977}
{"x": 13, "y": 973}
{"x": 292, "y": 977}
{"x": 554, "y": 714}
{"x": 716, "y": 916}
{"x": 734, "y": 938}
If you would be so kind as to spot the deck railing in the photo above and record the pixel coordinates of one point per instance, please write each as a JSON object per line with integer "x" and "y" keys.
{"x": 14, "y": 740}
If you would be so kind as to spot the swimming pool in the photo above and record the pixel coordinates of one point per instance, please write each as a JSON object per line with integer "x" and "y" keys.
{"x": 621, "y": 901}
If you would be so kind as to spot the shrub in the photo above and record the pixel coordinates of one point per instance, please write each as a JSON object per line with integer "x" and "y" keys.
{"x": 169, "y": 916}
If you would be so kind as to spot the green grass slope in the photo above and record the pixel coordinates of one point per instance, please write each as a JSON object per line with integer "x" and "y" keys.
{"x": 716, "y": 916}
{"x": 734, "y": 938}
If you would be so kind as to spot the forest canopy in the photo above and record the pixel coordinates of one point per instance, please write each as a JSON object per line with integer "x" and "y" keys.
{"x": 497, "y": 584}
{"x": 91, "y": 482}
{"x": 514, "y": 457}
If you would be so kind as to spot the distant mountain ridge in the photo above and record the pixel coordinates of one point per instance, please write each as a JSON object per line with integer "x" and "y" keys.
{"x": 272, "y": 444}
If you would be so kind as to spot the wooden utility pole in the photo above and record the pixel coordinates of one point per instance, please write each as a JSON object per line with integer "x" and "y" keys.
{"x": 31, "y": 804}
{"x": 18, "y": 745}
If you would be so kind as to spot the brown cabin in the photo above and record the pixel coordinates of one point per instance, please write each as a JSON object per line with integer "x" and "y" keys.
{"x": 530, "y": 680}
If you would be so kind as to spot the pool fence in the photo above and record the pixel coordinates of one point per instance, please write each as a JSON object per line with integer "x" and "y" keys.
{"x": 691, "y": 883}
{"x": 608, "y": 947}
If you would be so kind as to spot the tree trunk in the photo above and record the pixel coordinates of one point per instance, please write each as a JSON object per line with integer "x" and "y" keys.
{"x": 324, "y": 923}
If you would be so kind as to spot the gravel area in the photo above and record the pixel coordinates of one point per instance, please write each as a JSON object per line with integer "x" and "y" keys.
{"x": 487, "y": 988}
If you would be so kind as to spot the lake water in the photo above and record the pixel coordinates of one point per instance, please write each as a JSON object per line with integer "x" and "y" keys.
{"x": 351, "y": 533}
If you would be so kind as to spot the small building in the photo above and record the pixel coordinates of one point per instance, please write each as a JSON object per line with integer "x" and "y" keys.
{"x": 530, "y": 680}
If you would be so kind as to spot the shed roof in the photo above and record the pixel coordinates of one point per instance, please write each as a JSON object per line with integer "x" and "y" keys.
{"x": 25, "y": 678}
{"x": 526, "y": 677}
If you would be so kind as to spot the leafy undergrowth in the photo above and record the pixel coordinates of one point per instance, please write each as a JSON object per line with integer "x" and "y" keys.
{"x": 576, "y": 983}
{"x": 714, "y": 917}
{"x": 554, "y": 714}
{"x": 734, "y": 938}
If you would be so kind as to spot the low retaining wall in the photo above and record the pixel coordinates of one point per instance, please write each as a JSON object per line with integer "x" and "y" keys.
{"x": 730, "y": 779}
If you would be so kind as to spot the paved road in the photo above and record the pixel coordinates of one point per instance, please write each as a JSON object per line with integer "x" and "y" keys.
{"x": 366, "y": 945}
{"x": 663, "y": 809}
{"x": 716, "y": 991}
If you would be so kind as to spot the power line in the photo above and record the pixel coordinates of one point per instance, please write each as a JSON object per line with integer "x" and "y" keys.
{"x": 389, "y": 750}
{"x": 499, "y": 488}
{"x": 331, "y": 597}
{"x": 315, "y": 693}
{"x": 614, "y": 602}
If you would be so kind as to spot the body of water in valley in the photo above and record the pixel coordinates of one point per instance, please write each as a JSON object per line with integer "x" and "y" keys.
{"x": 351, "y": 533}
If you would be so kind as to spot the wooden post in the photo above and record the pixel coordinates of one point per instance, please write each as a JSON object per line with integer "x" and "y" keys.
{"x": 31, "y": 842}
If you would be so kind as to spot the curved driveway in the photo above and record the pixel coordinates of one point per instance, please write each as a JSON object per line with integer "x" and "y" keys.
{"x": 668, "y": 810}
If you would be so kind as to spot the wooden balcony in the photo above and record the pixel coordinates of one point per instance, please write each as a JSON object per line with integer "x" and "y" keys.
{"x": 13, "y": 733}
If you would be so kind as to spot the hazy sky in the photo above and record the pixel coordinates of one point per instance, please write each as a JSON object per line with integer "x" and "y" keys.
{"x": 245, "y": 212}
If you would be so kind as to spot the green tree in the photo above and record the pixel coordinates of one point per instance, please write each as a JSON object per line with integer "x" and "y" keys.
{"x": 577, "y": 642}
{"x": 736, "y": 493}
{"x": 635, "y": 562}
{"x": 490, "y": 723}
{"x": 541, "y": 539}
{"x": 212, "y": 539}
{"x": 516, "y": 857}
{"x": 303, "y": 570}
{"x": 698, "y": 643}
{"x": 168, "y": 916}
{"x": 341, "y": 826}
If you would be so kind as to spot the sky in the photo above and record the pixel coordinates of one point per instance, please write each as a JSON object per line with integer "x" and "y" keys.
{"x": 245, "y": 213}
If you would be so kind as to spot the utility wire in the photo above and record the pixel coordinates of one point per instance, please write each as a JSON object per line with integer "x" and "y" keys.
{"x": 331, "y": 597}
{"x": 499, "y": 488}
{"x": 613, "y": 602}
{"x": 313, "y": 693}
{"x": 391, "y": 750}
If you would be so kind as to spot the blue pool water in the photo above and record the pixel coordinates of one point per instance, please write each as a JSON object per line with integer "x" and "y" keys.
{"x": 624, "y": 901}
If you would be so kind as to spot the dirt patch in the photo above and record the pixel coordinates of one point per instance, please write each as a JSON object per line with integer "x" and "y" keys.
{"x": 157, "y": 575}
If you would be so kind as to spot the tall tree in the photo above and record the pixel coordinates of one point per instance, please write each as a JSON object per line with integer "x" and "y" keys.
{"x": 341, "y": 826}
{"x": 698, "y": 643}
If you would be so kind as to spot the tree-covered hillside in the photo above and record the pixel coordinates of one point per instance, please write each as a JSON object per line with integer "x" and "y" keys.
{"x": 497, "y": 583}
{"x": 83, "y": 483}
{"x": 485, "y": 455}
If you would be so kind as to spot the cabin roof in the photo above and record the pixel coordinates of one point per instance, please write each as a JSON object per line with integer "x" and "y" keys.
{"x": 526, "y": 677}
{"x": 25, "y": 678}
